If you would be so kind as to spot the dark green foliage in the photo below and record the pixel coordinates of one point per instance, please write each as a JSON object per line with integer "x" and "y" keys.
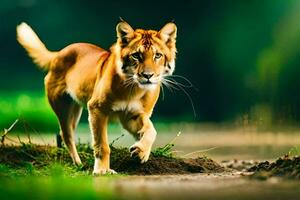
{"x": 236, "y": 59}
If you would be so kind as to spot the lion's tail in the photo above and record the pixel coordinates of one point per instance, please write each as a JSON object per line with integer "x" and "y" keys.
{"x": 34, "y": 46}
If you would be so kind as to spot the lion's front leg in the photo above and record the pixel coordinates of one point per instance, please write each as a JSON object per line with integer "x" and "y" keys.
{"x": 143, "y": 129}
{"x": 98, "y": 124}
{"x": 142, "y": 148}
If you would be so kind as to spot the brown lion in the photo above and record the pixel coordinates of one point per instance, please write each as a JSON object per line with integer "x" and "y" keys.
{"x": 123, "y": 81}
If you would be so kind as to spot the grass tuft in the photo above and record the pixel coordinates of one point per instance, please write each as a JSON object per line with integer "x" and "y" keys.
{"x": 166, "y": 151}
{"x": 294, "y": 151}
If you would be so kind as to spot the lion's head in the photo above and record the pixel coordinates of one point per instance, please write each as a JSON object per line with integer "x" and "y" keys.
{"x": 144, "y": 57}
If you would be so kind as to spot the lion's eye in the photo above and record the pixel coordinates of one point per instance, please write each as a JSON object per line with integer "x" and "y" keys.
{"x": 136, "y": 56}
{"x": 158, "y": 55}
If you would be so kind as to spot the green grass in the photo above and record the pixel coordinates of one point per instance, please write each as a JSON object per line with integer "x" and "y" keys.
{"x": 31, "y": 108}
{"x": 49, "y": 174}
{"x": 166, "y": 150}
{"x": 30, "y": 183}
{"x": 31, "y": 171}
{"x": 294, "y": 151}
{"x": 35, "y": 114}
{"x": 34, "y": 160}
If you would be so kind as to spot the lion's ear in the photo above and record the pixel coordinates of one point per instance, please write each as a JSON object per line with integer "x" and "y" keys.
{"x": 124, "y": 32}
{"x": 168, "y": 34}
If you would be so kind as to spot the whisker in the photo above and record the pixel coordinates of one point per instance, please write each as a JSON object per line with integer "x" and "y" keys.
{"x": 178, "y": 83}
{"x": 128, "y": 81}
{"x": 169, "y": 86}
{"x": 190, "y": 84}
{"x": 190, "y": 99}
{"x": 173, "y": 83}
{"x": 132, "y": 87}
{"x": 182, "y": 77}
{"x": 163, "y": 92}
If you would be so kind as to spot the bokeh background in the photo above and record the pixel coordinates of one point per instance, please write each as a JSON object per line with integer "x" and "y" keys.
{"x": 243, "y": 57}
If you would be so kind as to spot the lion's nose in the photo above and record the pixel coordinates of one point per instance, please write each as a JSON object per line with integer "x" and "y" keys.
{"x": 147, "y": 75}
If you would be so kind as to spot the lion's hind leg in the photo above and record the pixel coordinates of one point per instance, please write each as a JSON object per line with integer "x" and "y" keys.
{"x": 68, "y": 113}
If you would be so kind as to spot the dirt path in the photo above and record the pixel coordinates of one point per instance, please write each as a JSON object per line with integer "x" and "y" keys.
{"x": 203, "y": 186}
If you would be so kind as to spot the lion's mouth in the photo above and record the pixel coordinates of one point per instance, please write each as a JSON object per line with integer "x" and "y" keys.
{"x": 148, "y": 85}
{"x": 148, "y": 82}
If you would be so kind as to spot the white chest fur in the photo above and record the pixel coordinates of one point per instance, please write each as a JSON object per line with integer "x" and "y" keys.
{"x": 129, "y": 106}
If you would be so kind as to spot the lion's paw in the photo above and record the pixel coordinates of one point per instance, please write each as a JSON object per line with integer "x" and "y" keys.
{"x": 138, "y": 149}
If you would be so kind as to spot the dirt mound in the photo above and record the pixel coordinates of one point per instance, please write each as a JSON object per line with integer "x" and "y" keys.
{"x": 285, "y": 167}
{"x": 40, "y": 156}
{"x": 122, "y": 162}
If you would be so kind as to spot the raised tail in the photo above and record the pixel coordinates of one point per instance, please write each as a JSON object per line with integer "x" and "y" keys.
{"x": 34, "y": 46}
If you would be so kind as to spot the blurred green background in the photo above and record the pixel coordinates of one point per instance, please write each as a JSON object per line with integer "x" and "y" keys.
{"x": 243, "y": 57}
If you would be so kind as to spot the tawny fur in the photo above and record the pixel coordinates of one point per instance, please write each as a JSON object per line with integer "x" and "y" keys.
{"x": 123, "y": 82}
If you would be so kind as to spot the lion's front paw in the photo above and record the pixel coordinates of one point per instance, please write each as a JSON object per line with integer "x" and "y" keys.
{"x": 142, "y": 151}
{"x": 103, "y": 171}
